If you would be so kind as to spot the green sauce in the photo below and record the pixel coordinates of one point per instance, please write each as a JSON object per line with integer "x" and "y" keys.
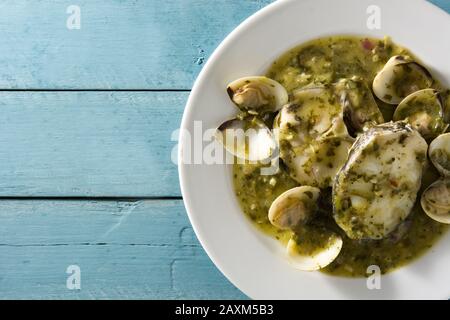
{"x": 326, "y": 61}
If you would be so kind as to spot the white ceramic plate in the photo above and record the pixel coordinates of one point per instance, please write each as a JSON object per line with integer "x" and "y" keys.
{"x": 250, "y": 260}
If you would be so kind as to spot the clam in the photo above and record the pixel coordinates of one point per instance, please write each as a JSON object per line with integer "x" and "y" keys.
{"x": 360, "y": 108}
{"x": 313, "y": 248}
{"x": 435, "y": 201}
{"x": 400, "y": 77}
{"x": 439, "y": 153}
{"x": 257, "y": 94}
{"x": 424, "y": 110}
{"x": 247, "y": 139}
{"x": 376, "y": 188}
{"x": 294, "y": 207}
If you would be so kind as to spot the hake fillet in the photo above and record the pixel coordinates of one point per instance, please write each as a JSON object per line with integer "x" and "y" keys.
{"x": 376, "y": 188}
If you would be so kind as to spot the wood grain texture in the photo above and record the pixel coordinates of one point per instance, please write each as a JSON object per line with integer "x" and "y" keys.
{"x": 89, "y": 144}
{"x": 93, "y": 144}
{"x": 139, "y": 250}
{"x": 157, "y": 44}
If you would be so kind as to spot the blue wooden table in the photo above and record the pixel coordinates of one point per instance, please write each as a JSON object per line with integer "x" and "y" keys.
{"x": 86, "y": 118}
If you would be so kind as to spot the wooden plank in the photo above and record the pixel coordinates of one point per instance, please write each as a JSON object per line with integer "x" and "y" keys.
{"x": 157, "y": 44}
{"x": 140, "y": 250}
{"x": 443, "y": 4}
{"x": 89, "y": 144}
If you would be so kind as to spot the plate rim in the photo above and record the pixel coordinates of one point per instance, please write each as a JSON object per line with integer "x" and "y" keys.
{"x": 187, "y": 114}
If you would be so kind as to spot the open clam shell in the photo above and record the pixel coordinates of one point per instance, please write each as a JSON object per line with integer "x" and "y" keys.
{"x": 293, "y": 207}
{"x": 424, "y": 111}
{"x": 257, "y": 94}
{"x": 313, "y": 248}
{"x": 435, "y": 201}
{"x": 247, "y": 139}
{"x": 400, "y": 77}
{"x": 439, "y": 153}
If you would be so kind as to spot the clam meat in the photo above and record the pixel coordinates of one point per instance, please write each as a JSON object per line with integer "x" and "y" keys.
{"x": 257, "y": 95}
{"x": 424, "y": 111}
{"x": 439, "y": 153}
{"x": 435, "y": 201}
